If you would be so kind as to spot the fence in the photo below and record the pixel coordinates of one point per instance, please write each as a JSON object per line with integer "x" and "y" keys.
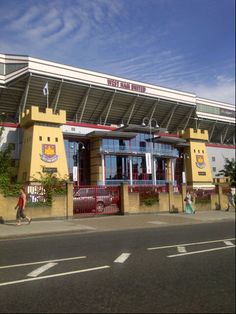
{"x": 95, "y": 200}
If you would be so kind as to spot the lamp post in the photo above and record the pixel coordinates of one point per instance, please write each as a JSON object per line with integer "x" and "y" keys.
{"x": 184, "y": 173}
{"x": 148, "y": 122}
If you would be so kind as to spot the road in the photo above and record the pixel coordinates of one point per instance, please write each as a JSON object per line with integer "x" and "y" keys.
{"x": 174, "y": 269}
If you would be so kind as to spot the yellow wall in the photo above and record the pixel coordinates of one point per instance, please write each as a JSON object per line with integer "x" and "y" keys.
{"x": 34, "y": 115}
{"x": 200, "y": 172}
{"x": 195, "y": 134}
{"x": 35, "y": 136}
{"x": 58, "y": 208}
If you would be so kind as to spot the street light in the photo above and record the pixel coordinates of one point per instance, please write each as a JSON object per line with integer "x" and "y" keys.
{"x": 184, "y": 173}
{"x": 148, "y": 122}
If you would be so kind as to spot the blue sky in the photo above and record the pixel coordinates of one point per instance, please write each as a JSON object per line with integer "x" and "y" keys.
{"x": 187, "y": 45}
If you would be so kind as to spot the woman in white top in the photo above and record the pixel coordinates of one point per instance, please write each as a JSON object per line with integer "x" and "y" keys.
{"x": 188, "y": 204}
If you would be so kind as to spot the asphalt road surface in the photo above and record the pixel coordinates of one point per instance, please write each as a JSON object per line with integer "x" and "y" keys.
{"x": 174, "y": 269}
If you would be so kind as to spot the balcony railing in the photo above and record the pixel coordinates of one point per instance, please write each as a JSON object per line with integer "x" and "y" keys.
{"x": 136, "y": 182}
{"x": 139, "y": 150}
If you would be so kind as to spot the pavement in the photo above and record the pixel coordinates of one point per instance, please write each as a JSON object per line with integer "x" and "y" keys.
{"x": 9, "y": 230}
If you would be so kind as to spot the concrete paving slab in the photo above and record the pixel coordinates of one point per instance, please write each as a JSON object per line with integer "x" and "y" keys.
{"x": 110, "y": 223}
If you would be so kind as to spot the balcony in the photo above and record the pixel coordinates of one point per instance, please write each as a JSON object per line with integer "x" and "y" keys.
{"x": 134, "y": 150}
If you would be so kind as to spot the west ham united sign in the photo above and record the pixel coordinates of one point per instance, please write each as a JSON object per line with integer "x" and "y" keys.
{"x": 200, "y": 163}
{"x": 49, "y": 153}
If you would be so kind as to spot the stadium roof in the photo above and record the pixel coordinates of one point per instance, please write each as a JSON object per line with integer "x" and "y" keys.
{"x": 96, "y": 98}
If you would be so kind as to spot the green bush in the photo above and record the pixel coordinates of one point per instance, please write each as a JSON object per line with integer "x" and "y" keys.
{"x": 52, "y": 185}
{"x": 149, "y": 197}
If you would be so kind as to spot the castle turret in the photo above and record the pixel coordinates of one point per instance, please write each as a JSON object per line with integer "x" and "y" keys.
{"x": 43, "y": 146}
{"x": 197, "y": 166}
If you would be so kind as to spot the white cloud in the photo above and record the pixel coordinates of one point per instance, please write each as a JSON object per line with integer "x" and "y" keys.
{"x": 96, "y": 35}
{"x": 222, "y": 90}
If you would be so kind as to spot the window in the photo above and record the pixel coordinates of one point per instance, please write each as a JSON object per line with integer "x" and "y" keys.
{"x": 213, "y": 158}
{"x": 40, "y": 138}
{"x": 56, "y": 139}
{"x": 48, "y": 139}
{"x": 214, "y": 169}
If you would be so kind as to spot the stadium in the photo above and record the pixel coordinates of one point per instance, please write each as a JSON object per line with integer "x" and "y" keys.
{"x": 113, "y": 129}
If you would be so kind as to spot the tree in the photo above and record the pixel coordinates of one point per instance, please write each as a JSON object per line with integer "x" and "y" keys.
{"x": 229, "y": 170}
{"x": 6, "y": 170}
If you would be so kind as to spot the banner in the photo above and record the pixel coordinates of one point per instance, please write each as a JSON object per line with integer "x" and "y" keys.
{"x": 75, "y": 174}
{"x": 148, "y": 163}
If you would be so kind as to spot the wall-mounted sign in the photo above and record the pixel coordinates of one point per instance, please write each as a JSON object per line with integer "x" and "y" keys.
{"x": 200, "y": 163}
{"x": 227, "y": 112}
{"x": 126, "y": 85}
{"x": 201, "y": 173}
{"x": 49, "y": 153}
{"x": 49, "y": 170}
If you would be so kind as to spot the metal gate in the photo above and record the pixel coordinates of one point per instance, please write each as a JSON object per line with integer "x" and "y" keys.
{"x": 96, "y": 200}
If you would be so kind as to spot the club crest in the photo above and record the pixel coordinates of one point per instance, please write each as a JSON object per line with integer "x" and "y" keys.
{"x": 200, "y": 163}
{"x": 49, "y": 153}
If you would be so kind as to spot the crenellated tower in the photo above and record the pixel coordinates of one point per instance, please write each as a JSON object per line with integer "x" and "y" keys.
{"x": 198, "y": 171}
{"x": 43, "y": 145}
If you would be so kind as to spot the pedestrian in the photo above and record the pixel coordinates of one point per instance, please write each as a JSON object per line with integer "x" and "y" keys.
{"x": 188, "y": 203}
{"x": 231, "y": 198}
{"x": 20, "y": 206}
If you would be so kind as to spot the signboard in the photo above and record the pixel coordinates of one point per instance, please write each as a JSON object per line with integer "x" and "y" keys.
{"x": 75, "y": 174}
{"x": 148, "y": 163}
{"x": 201, "y": 173}
{"x": 126, "y": 85}
{"x": 227, "y": 113}
{"x": 49, "y": 153}
{"x": 49, "y": 170}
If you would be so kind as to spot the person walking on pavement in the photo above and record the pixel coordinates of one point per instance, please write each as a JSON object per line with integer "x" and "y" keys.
{"x": 231, "y": 199}
{"x": 20, "y": 206}
{"x": 188, "y": 203}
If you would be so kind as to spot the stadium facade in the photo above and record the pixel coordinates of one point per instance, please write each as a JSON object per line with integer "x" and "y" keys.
{"x": 101, "y": 129}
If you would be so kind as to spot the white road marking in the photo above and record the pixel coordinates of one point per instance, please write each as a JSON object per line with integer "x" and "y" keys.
{"x": 41, "y": 269}
{"x": 43, "y": 262}
{"x": 187, "y": 244}
{"x": 53, "y": 276}
{"x": 202, "y": 251}
{"x": 228, "y": 243}
{"x": 181, "y": 249}
{"x": 157, "y": 222}
{"x": 122, "y": 258}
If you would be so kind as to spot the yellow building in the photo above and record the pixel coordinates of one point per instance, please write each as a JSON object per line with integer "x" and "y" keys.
{"x": 113, "y": 152}
{"x": 43, "y": 148}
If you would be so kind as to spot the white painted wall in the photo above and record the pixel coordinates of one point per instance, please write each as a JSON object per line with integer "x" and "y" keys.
{"x": 219, "y": 154}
